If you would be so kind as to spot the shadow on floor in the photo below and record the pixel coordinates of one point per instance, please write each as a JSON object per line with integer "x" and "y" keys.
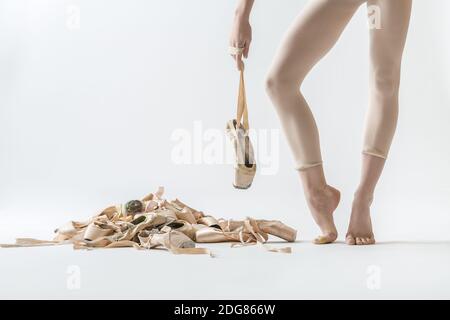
{"x": 414, "y": 242}
{"x": 393, "y": 242}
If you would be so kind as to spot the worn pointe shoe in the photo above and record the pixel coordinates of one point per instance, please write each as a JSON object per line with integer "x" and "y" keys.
{"x": 186, "y": 215}
{"x": 168, "y": 213}
{"x": 209, "y": 221}
{"x": 93, "y": 232}
{"x": 214, "y": 235}
{"x": 181, "y": 226}
{"x": 238, "y": 133}
{"x": 181, "y": 206}
{"x": 71, "y": 228}
{"x": 145, "y": 221}
{"x": 278, "y": 229}
{"x": 174, "y": 239}
{"x": 169, "y": 240}
{"x": 245, "y": 232}
{"x": 244, "y": 166}
{"x": 272, "y": 227}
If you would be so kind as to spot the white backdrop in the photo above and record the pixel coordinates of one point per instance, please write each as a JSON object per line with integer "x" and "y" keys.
{"x": 88, "y": 108}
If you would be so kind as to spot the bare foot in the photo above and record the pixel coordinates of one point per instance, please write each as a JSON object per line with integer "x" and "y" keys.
{"x": 360, "y": 227}
{"x": 322, "y": 204}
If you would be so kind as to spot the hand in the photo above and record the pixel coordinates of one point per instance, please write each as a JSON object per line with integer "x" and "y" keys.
{"x": 241, "y": 37}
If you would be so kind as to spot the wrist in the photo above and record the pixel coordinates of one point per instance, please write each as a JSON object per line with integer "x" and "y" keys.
{"x": 242, "y": 14}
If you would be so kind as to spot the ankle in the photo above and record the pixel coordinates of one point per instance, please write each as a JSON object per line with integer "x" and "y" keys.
{"x": 316, "y": 192}
{"x": 363, "y": 196}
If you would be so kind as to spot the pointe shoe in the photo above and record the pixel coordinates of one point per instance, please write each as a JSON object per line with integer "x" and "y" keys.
{"x": 168, "y": 213}
{"x": 180, "y": 205}
{"x": 278, "y": 229}
{"x": 169, "y": 240}
{"x": 93, "y": 232}
{"x": 142, "y": 222}
{"x": 244, "y": 166}
{"x": 272, "y": 227}
{"x": 186, "y": 215}
{"x": 238, "y": 133}
{"x": 71, "y": 228}
{"x": 181, "y": 226}
{"x": 240, "y": 231}
{"x": 173, "y": 239}
{"x": 209, "y": 221}
{"x": 214, "y": 235}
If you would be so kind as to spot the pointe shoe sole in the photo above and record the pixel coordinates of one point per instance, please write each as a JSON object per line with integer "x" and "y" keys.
{"x": 242, "y": 187}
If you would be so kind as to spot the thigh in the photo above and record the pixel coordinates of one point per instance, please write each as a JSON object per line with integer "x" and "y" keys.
{"x": 387, "y": 40}
{"x": 313, "y": 33}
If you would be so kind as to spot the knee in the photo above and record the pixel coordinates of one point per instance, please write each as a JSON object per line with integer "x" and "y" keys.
{"x": 278, "y": 84}
{"x": 272, "y": 85}
{"x": 386, "y": 81}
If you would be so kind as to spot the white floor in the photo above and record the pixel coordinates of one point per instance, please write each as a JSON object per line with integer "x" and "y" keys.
{"x": 388, "y": 270}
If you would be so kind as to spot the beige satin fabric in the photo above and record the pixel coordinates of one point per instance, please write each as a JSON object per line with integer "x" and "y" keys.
{"x": 238, "y": 133}
{"x": 242, "y": 108}
{"x": 313, "y": 33}
{"x": 163, "y": 224}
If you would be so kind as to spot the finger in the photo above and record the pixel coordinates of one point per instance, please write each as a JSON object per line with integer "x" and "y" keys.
{"x": 233, "y": 50}
{"x": 239, "y": 44}
{"x": 246, "y": 49}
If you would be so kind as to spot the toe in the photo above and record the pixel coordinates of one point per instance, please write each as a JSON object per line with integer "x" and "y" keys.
{"x": 324, "y": 239}
{"x": 364, "y": 241}
{"x": 321, "y": 240}
{"x": 350, "y": 240}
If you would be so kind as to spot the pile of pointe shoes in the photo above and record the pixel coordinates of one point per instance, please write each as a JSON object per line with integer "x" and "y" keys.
{"x": 154, "y": 222}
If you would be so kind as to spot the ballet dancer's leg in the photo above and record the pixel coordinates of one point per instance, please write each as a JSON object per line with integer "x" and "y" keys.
{"x": 312, "y": 35}
{"x": 386, "y": 49}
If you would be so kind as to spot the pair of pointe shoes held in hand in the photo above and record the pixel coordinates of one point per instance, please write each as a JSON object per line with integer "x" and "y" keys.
{"x": 238, "y": 133}
{"x": 155, "y": 222}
